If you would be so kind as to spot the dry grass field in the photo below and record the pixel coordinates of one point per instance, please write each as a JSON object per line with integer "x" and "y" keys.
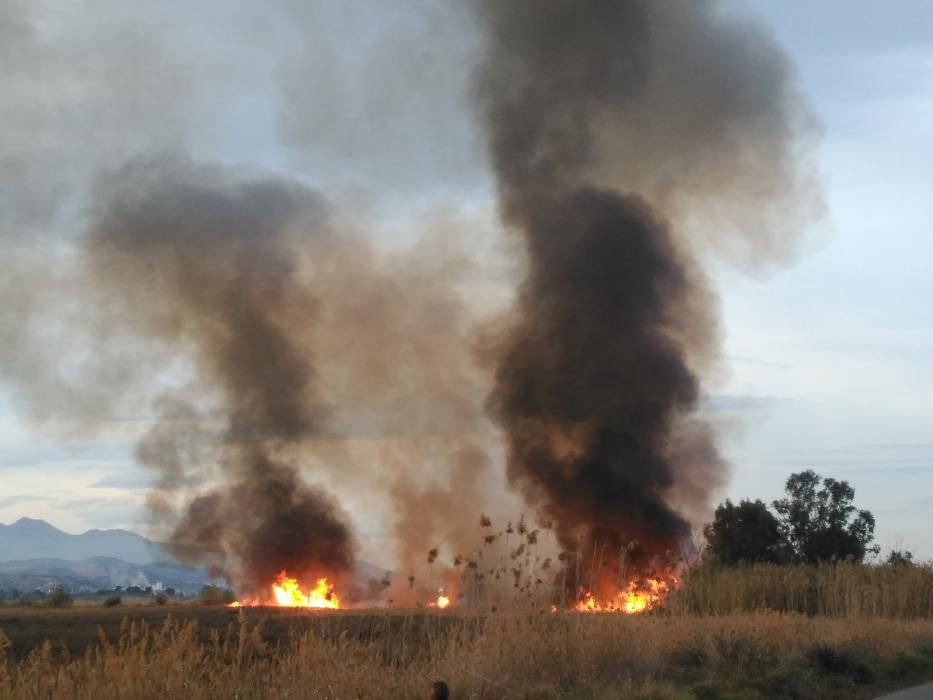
{"x": 840, "y": 589}
{"x": 762, "y": 632}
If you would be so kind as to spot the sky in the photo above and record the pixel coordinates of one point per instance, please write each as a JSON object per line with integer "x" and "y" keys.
{"x": 830, "y": 356}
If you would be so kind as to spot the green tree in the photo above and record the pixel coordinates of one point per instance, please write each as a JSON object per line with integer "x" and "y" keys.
{"x": 901, "y": 558}
{"x": 745, "y": 533}
{"x": 819, "y": 521}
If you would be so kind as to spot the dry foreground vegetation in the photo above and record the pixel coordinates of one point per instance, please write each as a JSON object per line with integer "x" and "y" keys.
{"x": 848, "y": 630}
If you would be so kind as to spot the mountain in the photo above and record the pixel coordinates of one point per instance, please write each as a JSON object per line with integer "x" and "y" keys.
{"x": 37, "y": 555}
{"x": 36, "y": 539}
{"x": 95, "y": 573}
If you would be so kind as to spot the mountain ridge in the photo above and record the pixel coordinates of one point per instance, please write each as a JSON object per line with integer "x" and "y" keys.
{"x": 96, "y": 573}
{"x": 34, "y": 554}
{"x": 31, "y": 538}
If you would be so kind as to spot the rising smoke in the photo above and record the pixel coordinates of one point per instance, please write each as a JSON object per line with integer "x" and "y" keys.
{"x": 613, "y": 127}
{"x": 183, "y": 256}
{"x": 290, "y": 358}
{"x": 288, "y": 346}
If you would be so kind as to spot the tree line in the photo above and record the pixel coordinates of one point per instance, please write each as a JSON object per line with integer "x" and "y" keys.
{"x": 816, "y": 521}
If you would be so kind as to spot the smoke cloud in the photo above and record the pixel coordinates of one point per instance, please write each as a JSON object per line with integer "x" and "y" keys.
{"x": 307, "y": 358}
{"x": 613, "y": 127}
{"x": 286, "y": 351}
{"x": 184, "y": 256}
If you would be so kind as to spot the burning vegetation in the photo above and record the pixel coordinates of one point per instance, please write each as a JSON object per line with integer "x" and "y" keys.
{"x": 286, "y": 592}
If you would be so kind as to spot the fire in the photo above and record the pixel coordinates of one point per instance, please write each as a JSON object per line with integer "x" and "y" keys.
{"x": 287, "y": 593}
{"x": 637, "y": 597}
{"x": 443, "y": 601}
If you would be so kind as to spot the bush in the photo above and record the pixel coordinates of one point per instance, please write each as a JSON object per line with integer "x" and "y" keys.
{"x": 688, "y": 658}
{"x": 215, "y": 595}
{"x": 58, "y": 597}
{"x": 113, "y": 601}
{"x": 901, "y": 558}
{"x": 160, "y": 599}
{"x": 830, "y": 660}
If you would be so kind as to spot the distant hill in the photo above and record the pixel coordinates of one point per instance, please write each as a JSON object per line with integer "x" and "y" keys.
{"x": 37, "y": 555}
{"x": 36, "y": 539}
{"x": 95, "y": 573}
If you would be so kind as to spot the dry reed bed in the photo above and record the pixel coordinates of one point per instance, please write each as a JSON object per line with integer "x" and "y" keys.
{"x": 501, "y": 655}
{"x": 830, "y": 589}
{"x": 760, "y": 631}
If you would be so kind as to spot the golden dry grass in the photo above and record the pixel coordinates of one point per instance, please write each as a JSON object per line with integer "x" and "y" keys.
{"x": 579, "y": 656}
{"x": 714, "y": 640}
{"x": 829, "y": 589}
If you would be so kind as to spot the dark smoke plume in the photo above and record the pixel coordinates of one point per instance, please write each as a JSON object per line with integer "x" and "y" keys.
{"x": 186, "y": 257}
{"x": 608, "y": 123}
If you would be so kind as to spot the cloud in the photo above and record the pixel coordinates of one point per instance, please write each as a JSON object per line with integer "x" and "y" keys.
{"x": 128, "y": 481}
{"x": 16, "y": 499}
{"x": 738, "y": 403}
{"x": 105, "y": 512}
{"x": 387, "y": 106}
{"x": 756, "y": 362}
{"x": 925, "y": 503}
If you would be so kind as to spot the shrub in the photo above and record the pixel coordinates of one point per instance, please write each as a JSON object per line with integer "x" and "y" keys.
{"x": 160, "y": 599}
{"x": 58, "y": 597}
{"x": 901, "y": 558}
{"x": 112, "y": 601}
{"x": 840, "y": 662}
{"x": 215, "y": 595}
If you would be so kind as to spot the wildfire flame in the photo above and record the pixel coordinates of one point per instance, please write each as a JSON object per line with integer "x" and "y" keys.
{"x": 287, "y": 593}
{"x": 443, "y": 601}
{"x": 637, "y": 597}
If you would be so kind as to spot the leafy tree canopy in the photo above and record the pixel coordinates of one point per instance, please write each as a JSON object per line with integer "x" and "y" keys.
{"x": 745, "y": 533}
{"x": 819, "y": 521}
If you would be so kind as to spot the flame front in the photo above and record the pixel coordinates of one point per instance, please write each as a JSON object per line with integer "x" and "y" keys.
{"x": 442, "y": 601}
{"x": 287, "y": 593}
{"x": 637, "y": 597}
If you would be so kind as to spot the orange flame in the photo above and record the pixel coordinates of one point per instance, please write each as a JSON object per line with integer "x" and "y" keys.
{"x": 287, "y": 593}
{"x": 637, "y": 597}
{"x": 443, "y": 600}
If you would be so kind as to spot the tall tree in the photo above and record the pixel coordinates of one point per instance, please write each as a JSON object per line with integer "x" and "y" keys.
{"x": 745, "y": 533}
{"x": 820, "y": 522}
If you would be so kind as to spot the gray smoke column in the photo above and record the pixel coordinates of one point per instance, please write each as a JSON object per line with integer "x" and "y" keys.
{"x": 204, "y": 264}
{"x": 630, "y": 140}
